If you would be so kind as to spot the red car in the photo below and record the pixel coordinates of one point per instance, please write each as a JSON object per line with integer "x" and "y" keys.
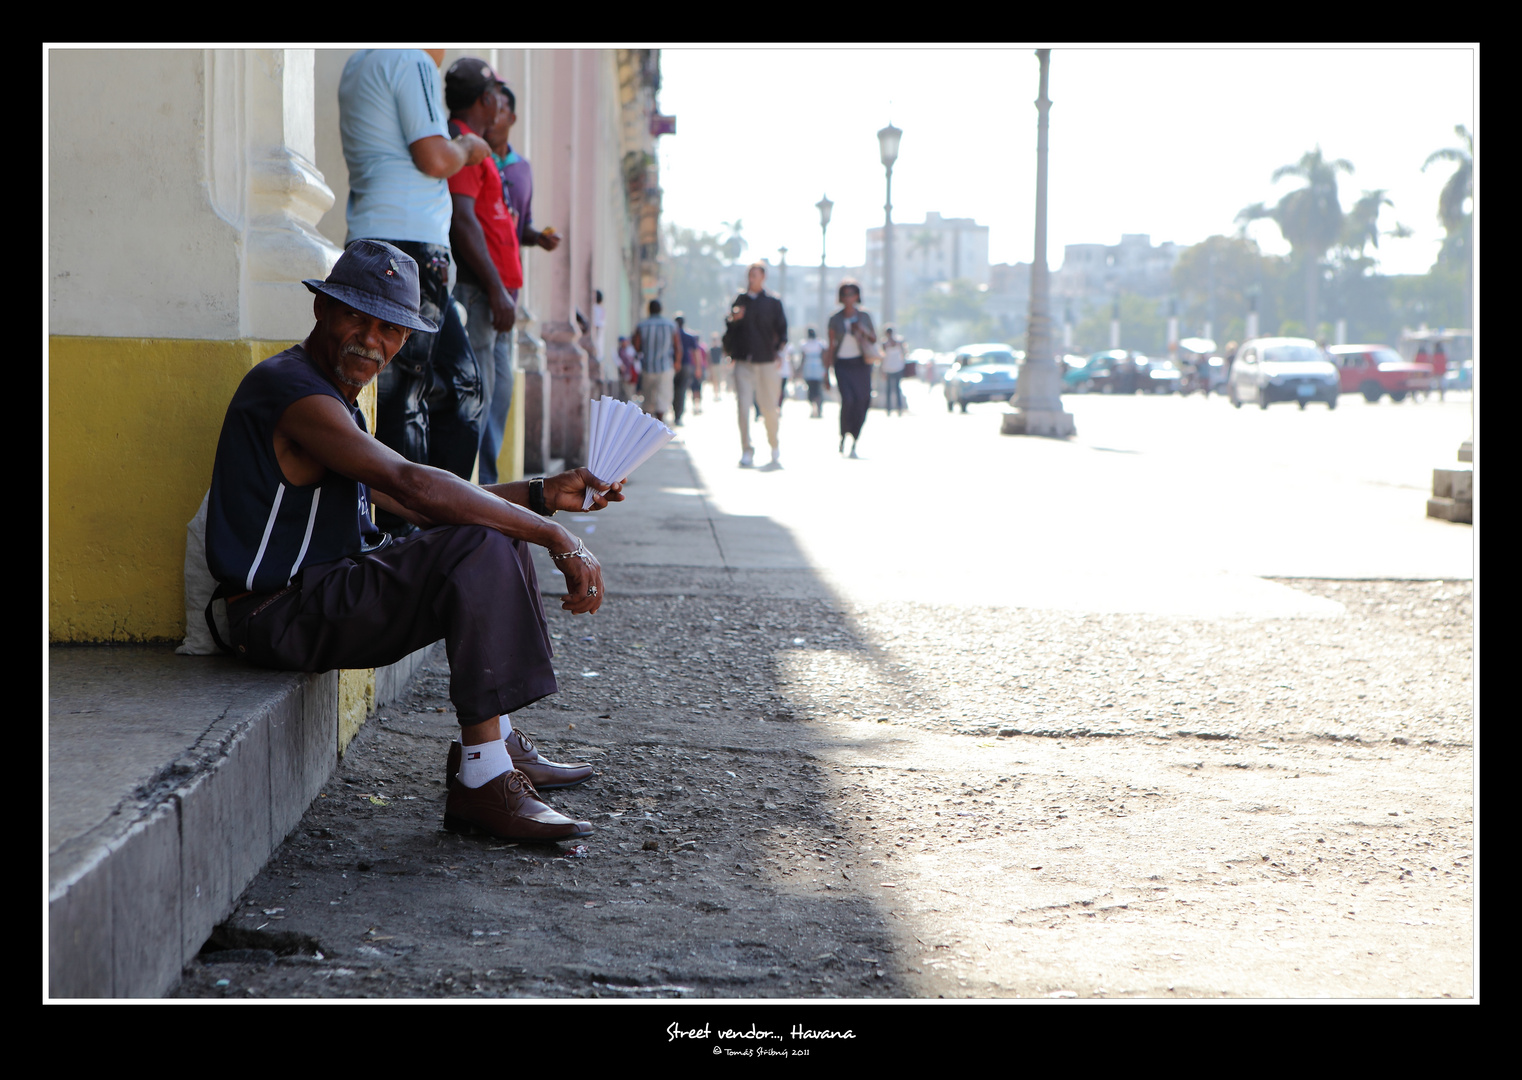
{"x": 1377, "y": 370}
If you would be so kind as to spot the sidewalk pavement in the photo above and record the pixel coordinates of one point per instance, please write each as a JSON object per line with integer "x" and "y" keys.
{"x": 831, "y": 764}
{"x": 170, "y": 779}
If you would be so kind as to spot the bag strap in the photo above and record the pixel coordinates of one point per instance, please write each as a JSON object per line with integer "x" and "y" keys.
{"x": 221, "y": 592}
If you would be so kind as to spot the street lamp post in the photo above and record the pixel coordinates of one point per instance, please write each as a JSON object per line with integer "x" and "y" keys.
{"x": 1037, "y": 402}
{"x": 782, "y": 277}
{"x": 824, "y": 206}
{"x": 887, "y": 143}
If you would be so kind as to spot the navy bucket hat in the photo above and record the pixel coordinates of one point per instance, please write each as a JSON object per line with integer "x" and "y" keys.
{"x": 381, "y": 280}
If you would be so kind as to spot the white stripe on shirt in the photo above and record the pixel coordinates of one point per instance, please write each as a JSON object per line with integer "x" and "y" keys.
{"x": 269, "y": 527}
{"x": 307, "y": 539}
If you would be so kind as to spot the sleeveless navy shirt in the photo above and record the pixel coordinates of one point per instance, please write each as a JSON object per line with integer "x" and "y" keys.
{"x": 260, "y": 528}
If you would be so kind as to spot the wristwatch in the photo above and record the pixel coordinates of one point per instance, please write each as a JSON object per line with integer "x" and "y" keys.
{"x": 536, "y": 498}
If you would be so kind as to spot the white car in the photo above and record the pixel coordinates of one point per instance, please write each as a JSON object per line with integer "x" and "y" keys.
{"x": 1282, "y": 369}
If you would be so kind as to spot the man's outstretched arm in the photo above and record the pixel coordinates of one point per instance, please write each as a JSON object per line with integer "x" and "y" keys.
{"x": 325, "y": 434}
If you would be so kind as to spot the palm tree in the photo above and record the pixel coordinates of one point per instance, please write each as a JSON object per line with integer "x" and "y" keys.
{"x": 734, "y": 244}
{"x": 1360, "y": 227}
{"x": 1310, "y": 218}
{"x": 1460, "y": 186}
{"x": 1457, "y": 221}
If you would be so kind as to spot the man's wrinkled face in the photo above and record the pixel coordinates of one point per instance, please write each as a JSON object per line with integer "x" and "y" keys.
{"x": 355, "y": 346}
{"x": 756, "y": 278}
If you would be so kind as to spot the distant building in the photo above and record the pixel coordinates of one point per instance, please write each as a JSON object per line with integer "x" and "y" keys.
{"x": 925, "y": 253}
{"x": 1093, "y": 275}
{"x": 1009, "y": 300}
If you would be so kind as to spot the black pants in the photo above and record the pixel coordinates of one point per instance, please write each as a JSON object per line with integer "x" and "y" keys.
{"x": 854, "y": 380}
{"x": 429, "y": 396}
{"x": 679, "y": 391}
{"x": 467, "y": 584}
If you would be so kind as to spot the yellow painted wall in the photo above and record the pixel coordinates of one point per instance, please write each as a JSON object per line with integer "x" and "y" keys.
{"x": 510, "y": 459}
{"x": 132, "y": 431}
{"x": 356, "y": 701}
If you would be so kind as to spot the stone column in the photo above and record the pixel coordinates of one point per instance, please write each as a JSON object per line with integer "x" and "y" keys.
{"x": 1038, "y": 406}
{"x": 565, "y": 360}
{"x": 285, "y": 192}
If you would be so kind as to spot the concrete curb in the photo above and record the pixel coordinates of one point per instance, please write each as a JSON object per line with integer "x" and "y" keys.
{"x": 144, "y": 857}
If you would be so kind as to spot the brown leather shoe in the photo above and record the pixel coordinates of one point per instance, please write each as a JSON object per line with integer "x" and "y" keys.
{"x": 510, "y": 809}
{"x": 545, "y": 775}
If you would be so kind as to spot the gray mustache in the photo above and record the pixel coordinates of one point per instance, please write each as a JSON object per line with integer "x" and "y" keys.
{"x": 368, "y": 354}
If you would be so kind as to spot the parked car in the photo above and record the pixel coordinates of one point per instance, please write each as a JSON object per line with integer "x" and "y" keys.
{"x": 1282, "y": 369}
{"x": 1377, "y": 370}
{"x": 923, "y": 363}
{"x": 986, "y": 372}
{"x": 1459, "y": 376}
{"x": 1157, "y": 376}
{"x": 1094, "y": 375}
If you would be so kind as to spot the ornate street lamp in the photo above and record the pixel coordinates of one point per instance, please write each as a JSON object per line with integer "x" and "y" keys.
{"x": 1037, "y": 404}
{"x": 887, "y": 142}
{"x": 824, "y": 206}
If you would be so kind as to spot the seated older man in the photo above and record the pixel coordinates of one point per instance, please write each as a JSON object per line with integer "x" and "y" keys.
{"x": 312, "y": 585}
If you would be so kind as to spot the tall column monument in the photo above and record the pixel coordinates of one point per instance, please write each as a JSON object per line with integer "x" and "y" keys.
{"x": 1037, "y": 403}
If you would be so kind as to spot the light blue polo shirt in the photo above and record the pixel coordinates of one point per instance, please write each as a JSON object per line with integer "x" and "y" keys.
{"x": 388, "y": 99}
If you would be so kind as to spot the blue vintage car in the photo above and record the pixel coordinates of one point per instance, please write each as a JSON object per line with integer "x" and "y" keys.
{"x": 986, "y": 372}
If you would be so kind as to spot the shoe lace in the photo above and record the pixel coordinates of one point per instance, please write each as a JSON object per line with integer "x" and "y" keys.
{"x": 523, "y": 741}
{"x": 521, "y": 784}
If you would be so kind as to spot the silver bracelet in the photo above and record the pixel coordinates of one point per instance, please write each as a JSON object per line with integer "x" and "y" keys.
{"x": 581, "y": 552}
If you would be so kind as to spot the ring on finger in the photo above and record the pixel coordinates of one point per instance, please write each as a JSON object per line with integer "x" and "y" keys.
{"x": 591, "y": 590}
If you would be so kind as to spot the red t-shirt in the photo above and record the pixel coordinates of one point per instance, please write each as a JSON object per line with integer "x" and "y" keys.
{"x": 483, "y": 183}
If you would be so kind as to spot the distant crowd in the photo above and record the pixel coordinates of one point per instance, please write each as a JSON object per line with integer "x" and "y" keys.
{"x": 661, "y": 363}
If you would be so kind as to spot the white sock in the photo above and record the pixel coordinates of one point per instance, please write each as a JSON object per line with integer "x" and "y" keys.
{"x": 483, "y": 764}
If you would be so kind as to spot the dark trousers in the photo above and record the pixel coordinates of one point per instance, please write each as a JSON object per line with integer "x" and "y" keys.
{"x": 429, "y": 397}
{"x": 455, "y": 399}
{"x": 467, "y": 584}
{"x": 679, "y": 391}
{"x": 401, "y": 388}
{"x": 854, "y": 380}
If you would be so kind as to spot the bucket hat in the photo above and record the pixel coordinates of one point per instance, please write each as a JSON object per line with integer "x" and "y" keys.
{"x": 381, "y": 280}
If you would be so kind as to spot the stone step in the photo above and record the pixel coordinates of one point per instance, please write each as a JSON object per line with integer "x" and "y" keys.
{"x": 1451, "y": 509}
{"x": 1453, "y": 484}
{"x": 1466, "y": 450}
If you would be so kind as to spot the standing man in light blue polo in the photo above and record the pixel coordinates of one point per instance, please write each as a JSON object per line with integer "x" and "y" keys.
{"x": 396, "y": 143}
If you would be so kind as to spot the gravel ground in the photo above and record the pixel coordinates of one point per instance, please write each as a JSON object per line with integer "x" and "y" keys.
{"x": 906, "y": 801}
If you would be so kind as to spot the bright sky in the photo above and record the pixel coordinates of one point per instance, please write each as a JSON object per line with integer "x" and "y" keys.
{"x": 1169, "y": 142}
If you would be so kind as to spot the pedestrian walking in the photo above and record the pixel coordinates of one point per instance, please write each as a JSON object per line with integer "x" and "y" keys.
{"x": 757, "y": 330}
{"x": 628, "y": 370}
{"x": 720, "y": 366}
{"x": 893, "y": 371}
{"x": 814, "y": 372}
{"x": 853, "y": 346}
{"x": 660, "y": 353}
{"x": 1439, "y": 369}
{"x": 687, "y": 374}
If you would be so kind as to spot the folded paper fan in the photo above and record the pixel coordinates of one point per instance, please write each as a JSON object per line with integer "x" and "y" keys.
{"x": 624, "y": 437}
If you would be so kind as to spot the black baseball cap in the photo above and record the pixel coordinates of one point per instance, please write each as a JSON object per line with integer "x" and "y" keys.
{"x": 381, "y": 280}
{"x": 467, "y": 79}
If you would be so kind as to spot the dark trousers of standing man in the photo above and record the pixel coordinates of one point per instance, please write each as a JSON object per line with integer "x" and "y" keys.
{"x": 679, "y": 391}
{"x": 429, "y": 396}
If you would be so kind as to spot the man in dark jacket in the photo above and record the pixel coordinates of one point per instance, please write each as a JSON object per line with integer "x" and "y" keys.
{"x": 757, "y": 333}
